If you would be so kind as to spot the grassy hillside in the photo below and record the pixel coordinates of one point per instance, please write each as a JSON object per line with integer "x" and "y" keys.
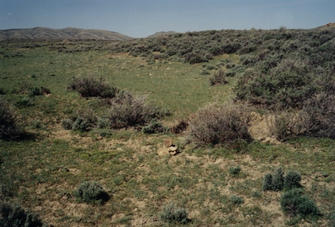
{"x": 220, "y": 183}
{"x": 39, "y": 33}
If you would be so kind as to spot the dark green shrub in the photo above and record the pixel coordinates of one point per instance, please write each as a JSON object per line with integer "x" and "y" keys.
{"x": 174, "y": 215}
{"x": 295, "y": 203}
{"x": 9, "y": 128}
{"x": 278, "y": 180}
{"x": 275, "y": 181}
{"x": 128, "y": 111}
{"x": 16, "y": 216}
{"x": 292, "y": 180}
{"x": 153, "y": 127}
{"x": 103, "y": 123}
{"x": 67, "y": 124}
{"x": 219, "y": 124}
{"x": 25, "y": 101}
{"x": 218, "y": 78}
{"x": 91, "y": 87}
{"x": 236, "y": 200}
{"x": 267, "y": 182}
{"x": 235, "y": 170}
{"x": 35, "y": 91}
{"x": 91, "y": 192}
{"x": 197, "y": 57}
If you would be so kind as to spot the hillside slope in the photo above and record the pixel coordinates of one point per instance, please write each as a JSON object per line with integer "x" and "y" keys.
{"x": 40, "y": 33}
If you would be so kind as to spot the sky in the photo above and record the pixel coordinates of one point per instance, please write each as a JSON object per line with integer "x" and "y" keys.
{"x": 140, "y": 18}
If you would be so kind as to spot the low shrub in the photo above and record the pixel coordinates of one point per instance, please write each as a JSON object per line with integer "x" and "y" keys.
{"x": 91, "y": 87}
{"x": 179, "y": 127}
{"x": 84, "y": 120}
{"x": 292, "y": 180}
{"x": 295, "y": 203}
{"x": 67, "y": 124}
{"x": 2, "y": 91}
{"x": 153, "y": 127}
{"x": 9, "y": 128}
{"x": 218, "y": 78}
{"x": 236, "y": 200}
{"x": 91, "y": 192}
{"x": 128, "y": 111}
{"x": 275, "y": 181}
{"x": 25, "y": 101}
{"x": 318, "y": 116}
{"x": 278, "y": 180}
{"x": 332, "y": 218}
{"x": 218, "y": 125}
{"x": 16, "y": 216}
{"x": 235, "y": 170}
{"x": 174, "y": 215}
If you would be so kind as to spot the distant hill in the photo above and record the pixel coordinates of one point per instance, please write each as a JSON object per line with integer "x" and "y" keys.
{"x": 160, "y": 34}
{"x": 40, "y": 33}
{"x": 327, "y": 26}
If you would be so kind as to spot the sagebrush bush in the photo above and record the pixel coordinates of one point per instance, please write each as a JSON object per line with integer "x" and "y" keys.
{"x": 236, "y": 200}
{"x": 292, "y": 180}
{"x": 332, "y": 218}
{"x": 16, "y": 216}
{"x": 84, "y": 121}
{"x": 294, "y": 203}
{"x": 219, "y": 124}
{"x": 235, "y": 170}
{"x": 274, "y": 181}
{"x": 153, "y": 127}
{"x": 287, "y": 85}
{"x": 318, "y": 116}
{"x": 174, "y": 215}
{"x": 91, "y": 192}
{"x": 127, "y": 111}
{"x": 9, "y": 128}
{"x": 67, "y": 124}
{"x": 91, "y": 87}
{"x": 180, "y": 127}
{"x": 218, "y": 78}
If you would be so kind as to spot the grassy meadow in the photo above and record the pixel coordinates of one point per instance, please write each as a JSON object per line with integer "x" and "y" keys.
{"x": 42, "y": 171}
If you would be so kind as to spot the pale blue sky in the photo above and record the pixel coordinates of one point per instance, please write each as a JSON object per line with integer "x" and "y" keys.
{"x": 139, "y": 18}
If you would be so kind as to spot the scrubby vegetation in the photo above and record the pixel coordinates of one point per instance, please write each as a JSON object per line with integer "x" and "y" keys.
{"x": 174, "y": 215}
{"x": 92, "y": 87}
{"x": 275, "y": 109}
{"x": 218, "y": 124}
{"x": 9, "y": 128}
{"x": 16, "y": 216}
{"x": 91, "y": 192}
{"x": 294, "y": 203}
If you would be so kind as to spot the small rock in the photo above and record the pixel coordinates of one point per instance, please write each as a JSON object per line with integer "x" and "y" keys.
{"x": 173, "y": 150}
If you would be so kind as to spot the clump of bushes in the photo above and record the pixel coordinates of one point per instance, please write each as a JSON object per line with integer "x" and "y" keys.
{"x": 91, "y": 87}
{"x": 36, "y": 91}
{"x": 127, "y": 111}
{"x": 84, "y": 121}
{"x": 218, "y": 78}
{"x": 174, "y": 215}
{"x": 154, "y": 127}
{"x": 277, "y": 181}
{"x": 16, "y": 216}
{"x": 295, "y": 203}
{"x": 91, "y": 192}
{"x": 285, "y": 86}
{"x": 9, "y": 127}
{"x": 318, "y": 116}
{"x": 218, "y": 125}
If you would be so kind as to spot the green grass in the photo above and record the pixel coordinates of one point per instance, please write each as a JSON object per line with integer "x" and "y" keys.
{"x": 42, "y": 173}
